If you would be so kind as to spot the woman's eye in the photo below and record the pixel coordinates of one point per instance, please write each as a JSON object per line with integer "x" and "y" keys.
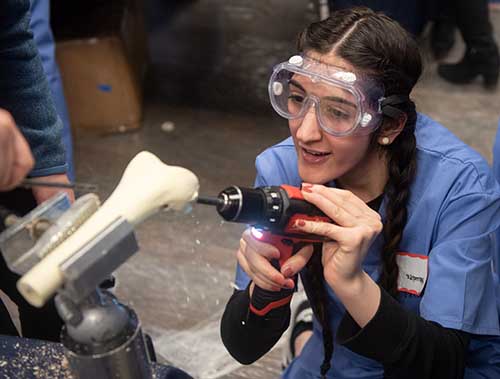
{"x": 337, "y": 113}
{"x": 296, "y": 98}
{"x": 333, "y": 112}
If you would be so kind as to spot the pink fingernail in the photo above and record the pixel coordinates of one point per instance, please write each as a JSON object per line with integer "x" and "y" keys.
{"x": 306, "y": 187}
{"x": 288, "y": 272}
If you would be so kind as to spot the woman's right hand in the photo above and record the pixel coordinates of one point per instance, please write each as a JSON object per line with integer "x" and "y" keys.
{"x": 254, "y": 257}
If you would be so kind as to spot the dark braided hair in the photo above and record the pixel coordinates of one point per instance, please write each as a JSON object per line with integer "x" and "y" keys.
{"x": 379, "y": 47}
{"x": 319, "y": 302}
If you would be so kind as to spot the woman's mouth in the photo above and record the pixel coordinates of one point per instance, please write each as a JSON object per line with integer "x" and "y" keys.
{"x": 314, "y": 156}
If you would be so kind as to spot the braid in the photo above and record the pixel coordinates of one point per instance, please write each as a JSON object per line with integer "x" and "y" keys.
{"x": 402, "y": 168}
{"x": 319, "y": 303}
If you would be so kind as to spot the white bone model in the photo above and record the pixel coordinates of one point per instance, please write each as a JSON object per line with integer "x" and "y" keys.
{"x": 147, "y": 185}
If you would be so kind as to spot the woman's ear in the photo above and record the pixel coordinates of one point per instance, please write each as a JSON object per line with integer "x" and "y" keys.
{"x": 391, "y": 130}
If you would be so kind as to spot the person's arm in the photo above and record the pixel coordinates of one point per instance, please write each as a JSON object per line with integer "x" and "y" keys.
{"x": 248, "y": 336}
{"x": 406, "y": 343}
{"x": 24, "y": 90}
{"x": 25, "y": 93}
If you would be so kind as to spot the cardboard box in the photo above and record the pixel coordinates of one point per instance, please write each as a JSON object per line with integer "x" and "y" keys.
{"x": 103, "y": 74}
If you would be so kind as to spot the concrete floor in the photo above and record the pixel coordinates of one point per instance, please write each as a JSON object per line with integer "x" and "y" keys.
{"x": 182, "y": 278}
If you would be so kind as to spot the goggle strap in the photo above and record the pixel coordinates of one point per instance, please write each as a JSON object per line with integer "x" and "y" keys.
{"x": 387, "y": 105}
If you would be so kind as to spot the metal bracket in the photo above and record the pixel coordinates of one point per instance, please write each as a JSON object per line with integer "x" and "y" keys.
{"x": 92, "y": 264}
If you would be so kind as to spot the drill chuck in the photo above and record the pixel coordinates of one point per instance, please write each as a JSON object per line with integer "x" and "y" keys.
{"x": 263, "y": 206}
{"x": 245, "y": 205}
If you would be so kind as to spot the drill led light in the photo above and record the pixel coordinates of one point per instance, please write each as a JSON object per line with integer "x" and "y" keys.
{"x": 256, "y": 233}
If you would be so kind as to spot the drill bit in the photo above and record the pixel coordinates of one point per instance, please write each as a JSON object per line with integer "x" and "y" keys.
{"x": 86, "y": 187}
{"x": 210, "y": 200}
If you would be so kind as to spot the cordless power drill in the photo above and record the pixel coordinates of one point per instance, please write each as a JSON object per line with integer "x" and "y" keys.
{"x": 272, "y": 211}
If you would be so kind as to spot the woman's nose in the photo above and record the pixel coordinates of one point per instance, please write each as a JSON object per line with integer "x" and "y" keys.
{"x": 309, "y": 129}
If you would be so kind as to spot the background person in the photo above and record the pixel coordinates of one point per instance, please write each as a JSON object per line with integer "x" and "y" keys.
{"x": 25, "y": 94}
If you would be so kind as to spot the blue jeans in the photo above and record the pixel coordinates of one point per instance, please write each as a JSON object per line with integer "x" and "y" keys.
{"x": 411, "y": 14}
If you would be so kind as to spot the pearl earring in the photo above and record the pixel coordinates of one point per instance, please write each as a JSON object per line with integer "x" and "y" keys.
{"x": 385, "y": 141}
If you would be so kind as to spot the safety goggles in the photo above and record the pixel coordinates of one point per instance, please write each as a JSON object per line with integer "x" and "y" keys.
{"x": 345, "y": 103}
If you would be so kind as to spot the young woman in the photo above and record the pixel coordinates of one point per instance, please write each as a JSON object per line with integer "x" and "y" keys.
{"x": 403, "y": 287}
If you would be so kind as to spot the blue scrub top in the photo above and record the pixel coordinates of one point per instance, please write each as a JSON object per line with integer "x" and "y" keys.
{"x": 453, "y": 210}
{"x": 496, "y": 154}
{"x": 496, "y": 172}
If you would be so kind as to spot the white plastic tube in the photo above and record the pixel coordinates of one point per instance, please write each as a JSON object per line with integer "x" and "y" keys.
{"x": 147, "y": 185}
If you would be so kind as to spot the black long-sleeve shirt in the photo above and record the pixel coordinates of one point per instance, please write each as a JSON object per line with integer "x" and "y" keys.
{"x": 407, "y": 345}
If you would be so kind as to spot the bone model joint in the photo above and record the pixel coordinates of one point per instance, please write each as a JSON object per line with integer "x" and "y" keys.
{"x": 147, "y": 185}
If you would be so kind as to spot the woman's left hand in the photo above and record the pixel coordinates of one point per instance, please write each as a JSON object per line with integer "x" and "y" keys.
{"x": 356, "y": 226}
